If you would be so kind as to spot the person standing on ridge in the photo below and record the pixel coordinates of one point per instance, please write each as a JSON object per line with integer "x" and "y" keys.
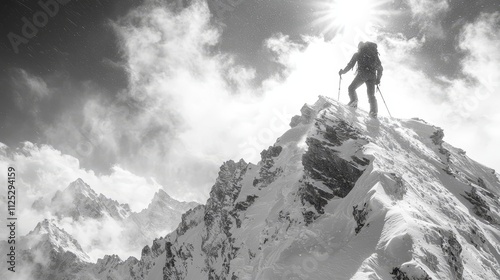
{"x": 369, "y": 72}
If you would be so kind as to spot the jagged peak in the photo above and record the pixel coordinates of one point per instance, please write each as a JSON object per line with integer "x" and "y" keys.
{"x": 46, "y": 227}
{"x": 82, "y": 188}
{"x": 162, "y": 195}
{"x": 59, "y": 239}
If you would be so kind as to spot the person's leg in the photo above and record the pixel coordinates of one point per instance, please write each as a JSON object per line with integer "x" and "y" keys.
{"x": 356, "y": 83}
{"x": 370, "y": 88}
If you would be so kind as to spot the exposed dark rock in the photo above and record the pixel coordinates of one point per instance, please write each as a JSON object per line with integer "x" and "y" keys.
{"x": 315, "y": 196}
{"x": 437, "y": 137}
{"x": 323, "y": 163}
{"x": 361, "y": 161}
{"x": 189, "y": 219}
{"x": 398, "y": 274}
{"x": 309, "y": 217}
{"x": 217, "y": 241}
{"x": 452, "y": 250}
{"x": 360, "y": 217}
{"x": 480, "y": 206}
{"x": 266, "y": 174}
{"x": 170, "y": 271}
{"x": 146, "y": 251}
{"x": 242, "y": 206}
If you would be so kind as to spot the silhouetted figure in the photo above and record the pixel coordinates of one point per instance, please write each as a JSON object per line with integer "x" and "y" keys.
{"x": 369, "y": 72}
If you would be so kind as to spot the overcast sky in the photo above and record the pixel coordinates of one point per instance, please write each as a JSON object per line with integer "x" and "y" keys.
{"x": 146, "y": 93}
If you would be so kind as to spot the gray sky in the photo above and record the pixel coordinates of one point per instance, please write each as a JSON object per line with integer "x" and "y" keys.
{"x": 165, "y": 92}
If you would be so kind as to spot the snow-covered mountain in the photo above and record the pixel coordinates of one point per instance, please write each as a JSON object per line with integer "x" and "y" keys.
{"x": 161, "y": 216}
{"x": 79, "y": 201}
{"x": 48, "y": 252}
{"x": 338, "y": 196}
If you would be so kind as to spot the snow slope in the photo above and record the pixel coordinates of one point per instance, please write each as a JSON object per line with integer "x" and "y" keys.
{"x": 342, "y": 196}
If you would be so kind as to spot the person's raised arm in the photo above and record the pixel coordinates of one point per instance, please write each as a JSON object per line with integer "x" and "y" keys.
{"x": 380, "y": 69}
{"x": 350, "y": 65}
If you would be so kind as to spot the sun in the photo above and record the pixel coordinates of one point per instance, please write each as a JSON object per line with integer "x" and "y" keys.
{"x": 349, "y": 15}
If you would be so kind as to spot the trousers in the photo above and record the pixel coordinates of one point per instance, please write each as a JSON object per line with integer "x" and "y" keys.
{"x": 369, "y": 80}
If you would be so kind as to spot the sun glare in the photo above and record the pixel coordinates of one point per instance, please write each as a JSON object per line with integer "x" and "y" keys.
{"x": 344, "y": 15}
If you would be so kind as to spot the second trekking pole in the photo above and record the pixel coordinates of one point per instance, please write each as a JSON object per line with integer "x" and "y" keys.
{"x": 384, "y": 101}
{"x": 340, "y": 82}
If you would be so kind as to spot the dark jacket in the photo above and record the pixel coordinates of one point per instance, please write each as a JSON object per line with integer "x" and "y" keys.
{"x": 374, "y": 72}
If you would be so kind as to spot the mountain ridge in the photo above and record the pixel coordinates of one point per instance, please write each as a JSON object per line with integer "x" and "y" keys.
{"x": 362, "y": 201}
{"x": 342, "y": 195}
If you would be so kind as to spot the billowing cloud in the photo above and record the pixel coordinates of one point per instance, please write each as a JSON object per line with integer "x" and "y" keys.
{"x": 189, "y": 108}
{"x": 463, "y": 106}
{"x": 428, "y": 15}
{"x": 29, "y": 90}
{"x": 42, "y": 170}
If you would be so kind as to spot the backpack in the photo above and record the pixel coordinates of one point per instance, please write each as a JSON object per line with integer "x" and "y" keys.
{"x": 368, "y": 60}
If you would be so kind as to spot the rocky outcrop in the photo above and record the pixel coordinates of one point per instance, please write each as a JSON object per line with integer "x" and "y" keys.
{"x": 216, "y": 218}
{"x": 217, "y": 241}
{"x": 477, "y": 197}
{"x": 324, "y": 162}
{"x": 452, "y": 251}
{"x": 399, "y": 274}
{"x": 360, "y": 217}
{"x": 268, "y": 172}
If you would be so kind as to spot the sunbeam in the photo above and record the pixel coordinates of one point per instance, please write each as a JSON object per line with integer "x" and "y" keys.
{"x": 344, "y": 16}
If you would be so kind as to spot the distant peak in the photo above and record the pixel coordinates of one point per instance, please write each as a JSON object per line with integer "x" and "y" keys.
{"x": 79, "y": 183}
{"x": 79, "y": 186}
{"x": 46, "y": 226}
{"x": 162, "y": 195}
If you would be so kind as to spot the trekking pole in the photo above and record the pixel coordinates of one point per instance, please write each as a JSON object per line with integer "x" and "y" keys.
{"x": 384, "y": 101}
{"x": 340, "y": 82}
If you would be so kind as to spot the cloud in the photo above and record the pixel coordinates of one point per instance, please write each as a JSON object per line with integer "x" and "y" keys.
{"x": 464, "y": 106}
{"x": 476, "y": 102}
{"x": 428, "y": 14}
{"x": 189, "y": 108}
{"x": 30, "y": 90}
{"x": 42, "y": 170}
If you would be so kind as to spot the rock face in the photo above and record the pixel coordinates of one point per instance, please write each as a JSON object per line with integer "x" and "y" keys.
{"x": 338, "y": 196}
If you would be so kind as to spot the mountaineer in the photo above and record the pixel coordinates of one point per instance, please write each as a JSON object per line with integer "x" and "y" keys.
{"x": 369, "y": 72}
